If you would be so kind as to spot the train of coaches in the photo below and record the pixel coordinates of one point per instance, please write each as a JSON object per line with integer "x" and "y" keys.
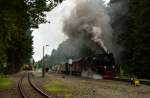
{"x": 100, "y": 64}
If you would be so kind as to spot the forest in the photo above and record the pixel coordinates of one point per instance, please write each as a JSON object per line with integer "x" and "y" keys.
{"x": 129, "y": 20}
{"x": 132, "y": 25}
{"x": 17, "y": 18}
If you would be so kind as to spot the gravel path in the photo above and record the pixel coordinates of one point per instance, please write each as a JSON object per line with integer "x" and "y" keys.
{"x": 28, "y": 90}
{"x": 88, "y": 88}
{"x": 13, "y": 91}
{"x": 39, "y": 82}
{"x": 81, "y": 87}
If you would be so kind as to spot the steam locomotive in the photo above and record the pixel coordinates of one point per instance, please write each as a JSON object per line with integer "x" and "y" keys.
{"x": 99, "y": 64}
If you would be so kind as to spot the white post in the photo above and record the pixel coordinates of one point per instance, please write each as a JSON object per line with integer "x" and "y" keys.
{"x": 70, "y": 63}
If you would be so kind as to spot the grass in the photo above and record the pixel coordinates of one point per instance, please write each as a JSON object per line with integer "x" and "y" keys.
{"x": 57, "y": 86}
{"x": 5, "y": 82}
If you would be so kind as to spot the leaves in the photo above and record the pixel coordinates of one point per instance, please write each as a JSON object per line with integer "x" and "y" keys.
{"x": 136, "y": 37}
{"x": 17, "y": 17}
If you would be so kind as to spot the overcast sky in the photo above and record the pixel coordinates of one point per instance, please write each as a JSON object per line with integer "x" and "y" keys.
{"x": 51, "y": 33}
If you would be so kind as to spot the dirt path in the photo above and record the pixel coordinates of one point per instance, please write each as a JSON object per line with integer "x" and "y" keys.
{"x": 80, "y": 87}
{"x": 88, "y": 88}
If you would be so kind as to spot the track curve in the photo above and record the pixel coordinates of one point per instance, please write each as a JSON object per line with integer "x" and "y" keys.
{"x": 24, "y": 84}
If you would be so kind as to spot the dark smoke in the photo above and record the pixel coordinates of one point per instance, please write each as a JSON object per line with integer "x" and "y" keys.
{"x": 74, "y": 49}
{"x": 89, "y": 21}
{"x": 88, "y": 30}
{"x": 119, "y": 13}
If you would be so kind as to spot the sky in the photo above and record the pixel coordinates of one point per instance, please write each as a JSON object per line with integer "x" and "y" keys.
{"x": 51, "y": 33}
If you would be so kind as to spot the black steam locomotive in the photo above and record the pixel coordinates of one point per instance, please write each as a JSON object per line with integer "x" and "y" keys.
{"x": 100, "y": 64}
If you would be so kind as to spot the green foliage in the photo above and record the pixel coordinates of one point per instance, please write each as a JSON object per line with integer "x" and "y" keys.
{"x": 135, "y": 37}
{"x": 17, "y": 17}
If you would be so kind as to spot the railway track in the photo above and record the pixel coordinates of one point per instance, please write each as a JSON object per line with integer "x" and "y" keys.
{"x": 28, "y": 89}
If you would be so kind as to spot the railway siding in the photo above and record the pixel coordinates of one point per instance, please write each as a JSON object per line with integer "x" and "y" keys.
{"x": 28, "y": 89}
{"x": 36, "y": 88}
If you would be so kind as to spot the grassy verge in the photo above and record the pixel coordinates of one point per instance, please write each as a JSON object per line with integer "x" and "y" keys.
{"x": 5, "y": 82}
{"x": 59, "y": 87}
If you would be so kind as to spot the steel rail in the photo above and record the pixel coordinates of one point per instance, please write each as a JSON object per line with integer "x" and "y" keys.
{"x": 37, "y": 89}
{"x": 20, "y": 87}
{"x": 32, "y": 85}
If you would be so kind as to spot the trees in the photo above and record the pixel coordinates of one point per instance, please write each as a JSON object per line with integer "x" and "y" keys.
{"x": 135, "y": 37}
{"x": 17, "y": 17}
{"x": 139, "y": 11}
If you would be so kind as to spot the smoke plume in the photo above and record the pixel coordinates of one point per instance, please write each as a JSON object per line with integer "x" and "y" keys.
{"x": 90, "y": 22}
{"x": 88, "y": 30}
